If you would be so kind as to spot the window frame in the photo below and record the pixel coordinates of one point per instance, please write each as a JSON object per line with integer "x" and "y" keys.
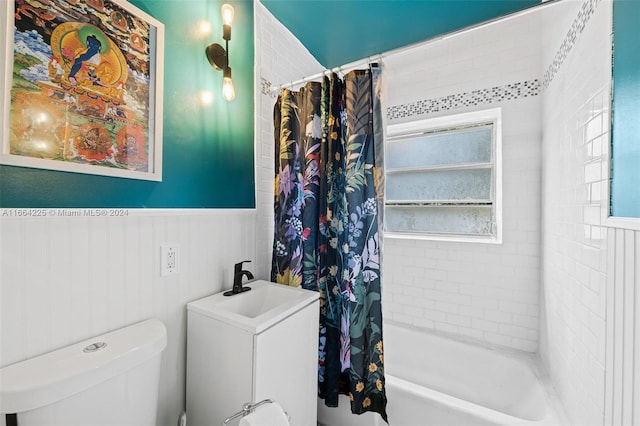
{"x": 419, "y": 127}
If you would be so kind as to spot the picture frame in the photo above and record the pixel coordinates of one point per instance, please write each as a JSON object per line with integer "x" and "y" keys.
{"x": 82, "y": 83}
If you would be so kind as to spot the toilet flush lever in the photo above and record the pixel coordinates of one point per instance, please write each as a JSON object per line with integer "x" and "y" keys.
{"x": 238, "y": 273}
{"x": 94, "y": 347}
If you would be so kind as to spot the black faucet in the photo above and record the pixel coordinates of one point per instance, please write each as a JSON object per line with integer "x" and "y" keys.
{"x": 238, "y": 273}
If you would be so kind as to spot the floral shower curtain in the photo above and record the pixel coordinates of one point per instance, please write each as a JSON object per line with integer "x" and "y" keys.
{"x": 327, "y": 204}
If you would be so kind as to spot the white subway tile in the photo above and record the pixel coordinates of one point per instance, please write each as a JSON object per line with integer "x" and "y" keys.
{"x": 472, "y": 289}
{"x": 499, "y": 317}
{"x": 459, "y": 320}
{"x": 574, "y": 154}
{"x": 485, "y": 325}
{"x": 524, "y": 345}
{"x": 592, "y": 172}
{"x": 470, "y": 311}
{"x": 593, "y": 128}
{"x": 413, "y": 311}
{"x": 485, "y": 303}
{"x": 498, "y": 339}
{"x": 470, "y": 332}
{"x": 423, "y": 322}
{"x": 446, "y": 327}
{"x": 513, "y": 331}
{"x": 529, "y": 322}
{"x": 434, "y": 315}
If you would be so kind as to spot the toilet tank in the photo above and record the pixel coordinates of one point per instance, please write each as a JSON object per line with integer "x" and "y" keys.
{"x": 111, "y": 379}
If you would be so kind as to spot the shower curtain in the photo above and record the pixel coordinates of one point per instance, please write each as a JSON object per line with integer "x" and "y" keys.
{"x": 328, "y": 139}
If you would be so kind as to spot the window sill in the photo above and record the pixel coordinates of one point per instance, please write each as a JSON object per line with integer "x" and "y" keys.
{"x": 631, "y": 223}
{"x": 442, "y": 237}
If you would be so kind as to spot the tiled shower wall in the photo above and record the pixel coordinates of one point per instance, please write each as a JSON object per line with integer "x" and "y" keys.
{"x": 488, "y": 292}
{"x": 279, "y": 58}
{"x": 493, "y": 293}
{"x": 577, "y": 53}
{"x": 65, "y": 279}
{"x": 590, "y": 323}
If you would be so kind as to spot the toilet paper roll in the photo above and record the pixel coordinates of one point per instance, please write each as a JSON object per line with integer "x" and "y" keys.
{"x": 266, "y": 415}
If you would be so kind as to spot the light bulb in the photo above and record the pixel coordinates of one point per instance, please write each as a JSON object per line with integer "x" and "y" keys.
{"x": 206, "y": 98}
{"x": 227, "y": 14}
{"x": 204, "y": 28}
{"x": 228, "y": 92}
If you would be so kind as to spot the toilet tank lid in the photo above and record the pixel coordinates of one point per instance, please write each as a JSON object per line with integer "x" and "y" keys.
{"x": 56, "y": 375}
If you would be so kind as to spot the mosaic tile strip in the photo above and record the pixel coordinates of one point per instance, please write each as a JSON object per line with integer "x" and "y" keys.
{"x": 265, "y": 87}
{"x": 507, "y": 92}
{"x": 578, "y": 25}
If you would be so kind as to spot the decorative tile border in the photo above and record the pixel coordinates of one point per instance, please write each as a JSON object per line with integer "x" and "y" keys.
{"x": 578, "y": 25}
{"x": 265, "y": 87}
{"x": 507, "y": 92}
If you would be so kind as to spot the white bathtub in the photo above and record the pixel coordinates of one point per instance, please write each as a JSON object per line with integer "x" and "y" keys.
{"x": 436, "y": 381}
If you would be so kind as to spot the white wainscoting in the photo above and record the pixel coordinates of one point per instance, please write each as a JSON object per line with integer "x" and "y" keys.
{"x": 65, "y": 278}
{"x": 622, "y": 396}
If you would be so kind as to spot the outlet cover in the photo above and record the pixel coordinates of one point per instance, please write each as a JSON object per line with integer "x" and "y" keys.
{"x": 169, "y": 260}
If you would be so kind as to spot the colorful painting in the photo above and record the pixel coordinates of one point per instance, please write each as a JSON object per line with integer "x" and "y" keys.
{"x": 85, "y": 85}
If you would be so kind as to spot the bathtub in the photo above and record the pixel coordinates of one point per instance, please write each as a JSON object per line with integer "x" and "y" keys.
{"x": 433, "y": 380}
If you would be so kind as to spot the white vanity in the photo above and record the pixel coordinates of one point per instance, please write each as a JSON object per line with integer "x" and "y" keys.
{"x": 256, "y": 345}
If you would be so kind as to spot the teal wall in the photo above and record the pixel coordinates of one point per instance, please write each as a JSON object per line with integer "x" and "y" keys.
{"x": 356, "y": 29}
{"x": 625, "y": 158}
{"x": 207, "y": 151}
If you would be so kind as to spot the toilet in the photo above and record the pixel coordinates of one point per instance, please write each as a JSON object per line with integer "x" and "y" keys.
{"x": 112, "y": 379}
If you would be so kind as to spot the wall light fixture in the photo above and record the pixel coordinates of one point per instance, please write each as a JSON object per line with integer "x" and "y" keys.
{"x": 218, "y": 56}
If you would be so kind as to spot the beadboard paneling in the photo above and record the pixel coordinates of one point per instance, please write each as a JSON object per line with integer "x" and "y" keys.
{"x": 66, "y": 279}
{"x": 622, "y": 396}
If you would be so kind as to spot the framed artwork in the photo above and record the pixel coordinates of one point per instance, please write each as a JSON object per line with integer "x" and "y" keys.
{"x": 82, "y": 87}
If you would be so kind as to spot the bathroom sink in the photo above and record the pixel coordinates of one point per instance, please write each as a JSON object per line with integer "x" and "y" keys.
{"x": 262, "y": 298}
{"x": 256, "y": 310}
{"x": 247, "y": 339}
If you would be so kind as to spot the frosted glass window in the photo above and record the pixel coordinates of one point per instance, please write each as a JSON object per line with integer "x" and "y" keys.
{"x": 440, "y": 185}
{"x": 468, "y": 220}
{"x": 453, "y": 147}
{"x": 441, "y": 179}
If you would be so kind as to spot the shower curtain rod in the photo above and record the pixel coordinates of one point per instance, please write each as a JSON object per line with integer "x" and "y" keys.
{"x": 404, "y": 49}
{"x": 340, "y": 69}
